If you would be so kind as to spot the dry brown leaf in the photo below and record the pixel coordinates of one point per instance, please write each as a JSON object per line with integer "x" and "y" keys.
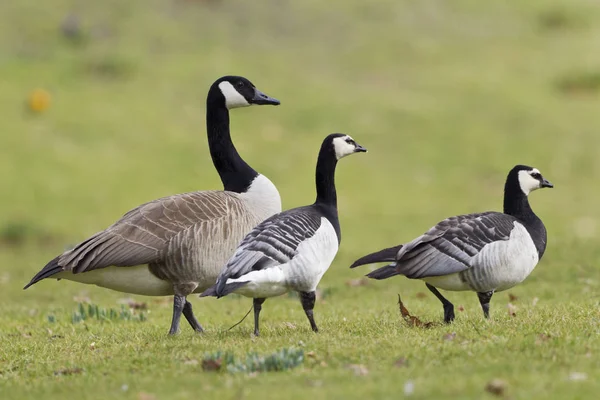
{"x": 146, "y": 396}
{"x": 211, "y": 365}
{"x": 364, "y": 281}
{"x": 496, "y": 386}
{"x": 461, "y": 308}
{"x": 311, "y": 354}
{"x": 82, "y": 299}
{"x": 411, "y": 320}
{"x": 358, "y": 369}
{"x": 512, "y": 310}
{"x": 541, "y": 338}
{"x": 449, "y": 336}
{"x": 131, "y": 303}
{"x": 68, "y": 371}
{"x": 401, "y": 362}
{"x": 512, "y": 297}
{"x": 421, "y": 295}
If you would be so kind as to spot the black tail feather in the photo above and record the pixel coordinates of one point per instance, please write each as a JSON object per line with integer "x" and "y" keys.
{"x": 384, "y": 272}
{"x": 385, "y": 255}
{"x": 50, "y": 269}
{"x": 224, "y": 290}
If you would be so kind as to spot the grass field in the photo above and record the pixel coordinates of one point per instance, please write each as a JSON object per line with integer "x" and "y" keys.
{"x": 447, "y": 97}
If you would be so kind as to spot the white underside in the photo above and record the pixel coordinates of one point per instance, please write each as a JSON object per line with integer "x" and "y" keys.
{"x": 303, "y": 273}
{"x": 134, "y": 280}
{"x": 498, "y": 266}
{"x": 448, "y": 282}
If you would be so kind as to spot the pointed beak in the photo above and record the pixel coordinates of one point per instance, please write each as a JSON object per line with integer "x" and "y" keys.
{"x": 359, "y": 149}
{"x": 547, "y": 184}
{"x": 262, "y": 99}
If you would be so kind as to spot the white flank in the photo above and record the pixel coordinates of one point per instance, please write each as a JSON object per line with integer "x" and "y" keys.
{"x": 343, "y": 148}
{"x": 527, "y": 182}
{"x": 302, "y": 273}
{"x": 233, "y": 98}
{"x": 262, "y": 197}
{"x": 451, "y": 282}
{"x": 134, "y": 280}
{"x": 506, "y": 263}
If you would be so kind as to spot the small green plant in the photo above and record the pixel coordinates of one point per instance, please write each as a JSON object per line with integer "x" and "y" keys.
{"x": 92, "y": 311}
{"x": 281, "y": 360}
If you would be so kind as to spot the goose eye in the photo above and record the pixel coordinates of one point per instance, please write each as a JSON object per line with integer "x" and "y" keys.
{"x": 536, "y": 175}
{"x": 240, "y": 84}
{"x": 350, "y": 141}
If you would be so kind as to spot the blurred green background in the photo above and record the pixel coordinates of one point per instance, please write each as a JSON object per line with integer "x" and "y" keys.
{"x": 447, "y": 97}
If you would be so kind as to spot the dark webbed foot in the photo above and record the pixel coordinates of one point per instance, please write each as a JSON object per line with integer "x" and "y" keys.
{"x": 308, "y": 304}
{"x": 448, "y": 307}
{"x": 257, "y": 307}
{"x": 484, "y": 300}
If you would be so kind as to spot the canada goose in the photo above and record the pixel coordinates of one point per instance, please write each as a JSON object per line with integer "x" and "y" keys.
{"x": 293, "y": 249}
{"x": 486, "y": 252}
{"x": 177, "y": 245}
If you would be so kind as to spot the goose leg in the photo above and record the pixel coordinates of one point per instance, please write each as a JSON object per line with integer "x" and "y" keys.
{"x": 189, "y": 315}
{"x": 257, "y": 307}
{"x": 308, "y": 303}
{"x": 178, "y": 305}
{"x": 484, "y": 300}
{"x": 448, "y": 307}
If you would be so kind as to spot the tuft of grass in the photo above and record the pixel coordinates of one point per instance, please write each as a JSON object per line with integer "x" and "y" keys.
{"x": 281, "y": 360}
{"x": 93, "y": 312}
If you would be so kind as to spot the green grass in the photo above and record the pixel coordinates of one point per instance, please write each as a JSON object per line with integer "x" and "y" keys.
{"x": 447, "y": 97}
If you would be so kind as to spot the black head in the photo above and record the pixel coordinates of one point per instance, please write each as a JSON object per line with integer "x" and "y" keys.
{"x": 527, "y": 179}
{"x": 342, "y": 145}
{"x": 238, "y": 91}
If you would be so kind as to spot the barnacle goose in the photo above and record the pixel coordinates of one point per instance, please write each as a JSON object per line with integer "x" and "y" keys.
{"x": 293, "y": 249}
{"x": 486, "y": 252}
{"x": 177, "y": 245}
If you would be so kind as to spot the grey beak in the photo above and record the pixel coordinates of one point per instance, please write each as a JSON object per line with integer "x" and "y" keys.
{"x": 359, "y": 149}
{"x": 262, "y": 99}
{"x": 547, "y": 184}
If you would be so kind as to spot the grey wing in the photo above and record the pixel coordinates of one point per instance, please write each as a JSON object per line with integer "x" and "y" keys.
{"x": 273, "y": 242}
{"x": 449, "y": 246}
{"x": 143, "y": 234}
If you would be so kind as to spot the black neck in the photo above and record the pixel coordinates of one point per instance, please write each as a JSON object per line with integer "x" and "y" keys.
{"x": 235, "y": 174}
{"x": 516, "y": 204}
{"x": 325, "y": 176}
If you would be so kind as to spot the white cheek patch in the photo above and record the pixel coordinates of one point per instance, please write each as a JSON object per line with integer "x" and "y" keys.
{"x": 233, "y": 98}
{"x": 527, "y": 182}
{"x": 342, "y": 148}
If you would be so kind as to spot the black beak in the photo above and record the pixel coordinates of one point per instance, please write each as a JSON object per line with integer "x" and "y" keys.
{"x": 547, "y": 184}
{"x": 261, "y": 99}
{"x": 359, "y": 149}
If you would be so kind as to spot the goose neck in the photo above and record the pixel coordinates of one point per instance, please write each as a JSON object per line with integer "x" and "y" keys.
{"x": 325, "y": 178}
{"x": 234, "y": 172}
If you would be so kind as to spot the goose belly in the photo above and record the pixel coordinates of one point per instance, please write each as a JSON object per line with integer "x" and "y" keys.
{"x": 452, "y": 282}
{"x": 314, "y": 258}
{"x": 302, "y": 273}
{"x": 134, "y": 280}
{"x": 503, "y": 264}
